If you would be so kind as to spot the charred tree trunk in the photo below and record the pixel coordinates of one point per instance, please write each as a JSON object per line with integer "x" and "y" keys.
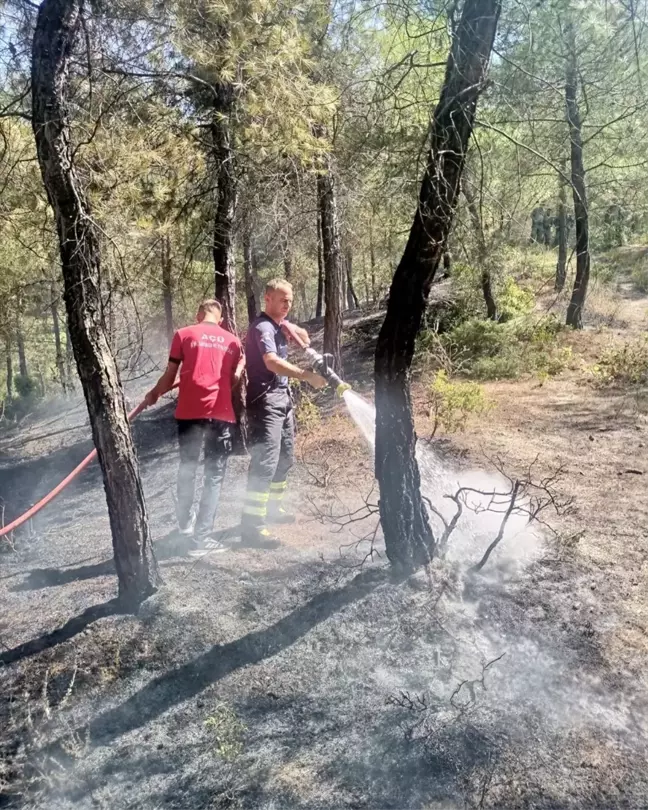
{"x": 56, "y": 326}
{"x": 248, "y": 271}
{"x": 482, "y": 251}
{"x": 581, "y": 216}
{"x": 167, "y": 286}
{"x": 319, "y": 306}
{"x": 56, "y": 30}
{"x": 225, "y": 209}
{"x": 352, "y": 298}
{"x": 332, "y": 261}
{"x": 408, "y": 536}
{"x": 561, "y": 235}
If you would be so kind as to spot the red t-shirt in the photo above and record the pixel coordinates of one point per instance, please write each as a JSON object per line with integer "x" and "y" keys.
{"x": 209, "y": 355}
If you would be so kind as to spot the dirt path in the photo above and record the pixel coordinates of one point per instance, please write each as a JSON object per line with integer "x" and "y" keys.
{"x": 292, "y": 679}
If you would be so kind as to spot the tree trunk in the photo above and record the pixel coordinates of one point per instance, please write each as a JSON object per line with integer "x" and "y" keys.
{"x": 482, "y": 251}
{"x": 223, "y": 251}
{"x": 352, "y": 298}
{"x": 248, "y": 270}
{"x": 20, "y": 338}
{"x": 372, "y": 263}
{"x": 60, "y": 362}
{"x": 561, "y": 234}
{"x": 167, "y": 286}
{"x": 581, "y": 216}
{"x": 69, "y": 359}
{"x": 332, "y": 261}
{"x": 320, "y": 270}
{"x": 287, "y": 260}
{"x": 56, "y": 30}
{"x": 304, "y": 300}
{"x": 9, "y": 367}
{"x": 408, "y": 536}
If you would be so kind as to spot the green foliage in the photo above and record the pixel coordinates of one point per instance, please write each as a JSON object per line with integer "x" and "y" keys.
{"x": 227, "y": 730}
{"x": 452, "y": 403}
{"x": 626, "y": 364}
{"x": 513, "y": 300}
{"x": 488, "y": 350}
{"x": 307, "y": 413}
{"x": 639, "y": 275}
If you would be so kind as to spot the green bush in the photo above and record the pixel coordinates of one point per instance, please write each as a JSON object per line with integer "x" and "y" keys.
{"x": 452, "y": 403}
{"x": 513, "y": 300}
{"x": 489, "y": 350}
{"x": 640, "y": 276}
{"x": 623, "y": 364}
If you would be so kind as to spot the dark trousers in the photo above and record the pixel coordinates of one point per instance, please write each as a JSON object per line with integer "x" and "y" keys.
{"x": 271, "y": 442}
{"x": 217, "y": 439}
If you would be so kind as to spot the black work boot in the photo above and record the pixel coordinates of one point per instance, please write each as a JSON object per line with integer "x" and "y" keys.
{"x": 258, "y": 537}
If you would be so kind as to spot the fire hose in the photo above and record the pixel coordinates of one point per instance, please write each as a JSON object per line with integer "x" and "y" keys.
{"x": 67, "y": 480}
{"x": 322, "y": 364}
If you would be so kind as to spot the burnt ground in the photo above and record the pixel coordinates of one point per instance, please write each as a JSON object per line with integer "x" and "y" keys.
{"x": 305, "y": 678}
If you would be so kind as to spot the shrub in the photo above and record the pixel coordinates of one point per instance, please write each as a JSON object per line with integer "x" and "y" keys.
{"x": 513, "y": 300}
{"x": 623, "y": 364}
{"x": 640, "y": 276}
{"x": 307, "y": 413}
{"x": 452, "y": 403}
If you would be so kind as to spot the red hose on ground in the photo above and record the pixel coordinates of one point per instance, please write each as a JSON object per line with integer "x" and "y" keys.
{"x": 60, "y": 487}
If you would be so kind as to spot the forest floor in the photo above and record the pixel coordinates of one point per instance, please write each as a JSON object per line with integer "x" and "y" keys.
{"x": 305, "y": 677}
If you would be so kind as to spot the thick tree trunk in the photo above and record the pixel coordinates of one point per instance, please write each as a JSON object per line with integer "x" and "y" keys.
{"x": 56, "y": 30}
{"x": 319, "y": 306}
{"x": 561, "y": 235}
{"x": 408, "y": 536}
{"x": 482, "y": 251}
{"x": 332, "y": 260}
{"x": 352, "y": 298}
{"x": 248, "y": 270}
{"x": 581, "y": 216}
{"x": 225, "y": 209}
{"x": 167, "y": 286}
{"x": 56, "y": 326}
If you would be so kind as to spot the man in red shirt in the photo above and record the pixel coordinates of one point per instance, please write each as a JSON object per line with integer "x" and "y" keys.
{"x": 211, "y": 361}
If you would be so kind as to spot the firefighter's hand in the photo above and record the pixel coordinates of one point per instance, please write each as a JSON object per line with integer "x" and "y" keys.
{"x": 303, "y": 335}
{"x": 151, "y": 398}
{"x": 314, "y": 379}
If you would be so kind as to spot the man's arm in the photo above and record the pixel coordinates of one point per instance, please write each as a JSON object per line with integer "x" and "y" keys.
{"x": 285, "y": 369}
{"x": 164, "y": 384}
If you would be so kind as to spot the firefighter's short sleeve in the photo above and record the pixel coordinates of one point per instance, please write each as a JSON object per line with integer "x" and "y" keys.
{"x": 265, "y": 336}
{"x": 175, "y": 353}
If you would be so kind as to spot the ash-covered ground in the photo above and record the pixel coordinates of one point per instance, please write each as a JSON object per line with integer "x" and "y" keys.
{"x": 303, "y": 677}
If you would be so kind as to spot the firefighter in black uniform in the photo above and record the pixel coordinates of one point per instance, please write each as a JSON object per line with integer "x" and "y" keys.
{"x": 271, "y": 420}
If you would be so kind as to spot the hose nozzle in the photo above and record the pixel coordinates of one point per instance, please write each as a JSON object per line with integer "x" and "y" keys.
{"x": 323, "y": 365}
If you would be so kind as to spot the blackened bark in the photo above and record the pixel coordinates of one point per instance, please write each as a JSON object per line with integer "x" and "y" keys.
{"x": 167, "y": 286}
{"x": 56, "y": 30}
{"x": 581, "y": 216}
{"x": 352, "y": 298}
{"x": 69, "y": 359}
{"x": 56, "y": 326}
{"x": 482, "y": 252}
{"x": 225, "y": 208}
{"x": 248, "y": 271}
{"x": 332, "y": 261}
{"x": 561, "y": 235}
{"x": 319, "y": 306}
{"x": 408, "y": 536}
